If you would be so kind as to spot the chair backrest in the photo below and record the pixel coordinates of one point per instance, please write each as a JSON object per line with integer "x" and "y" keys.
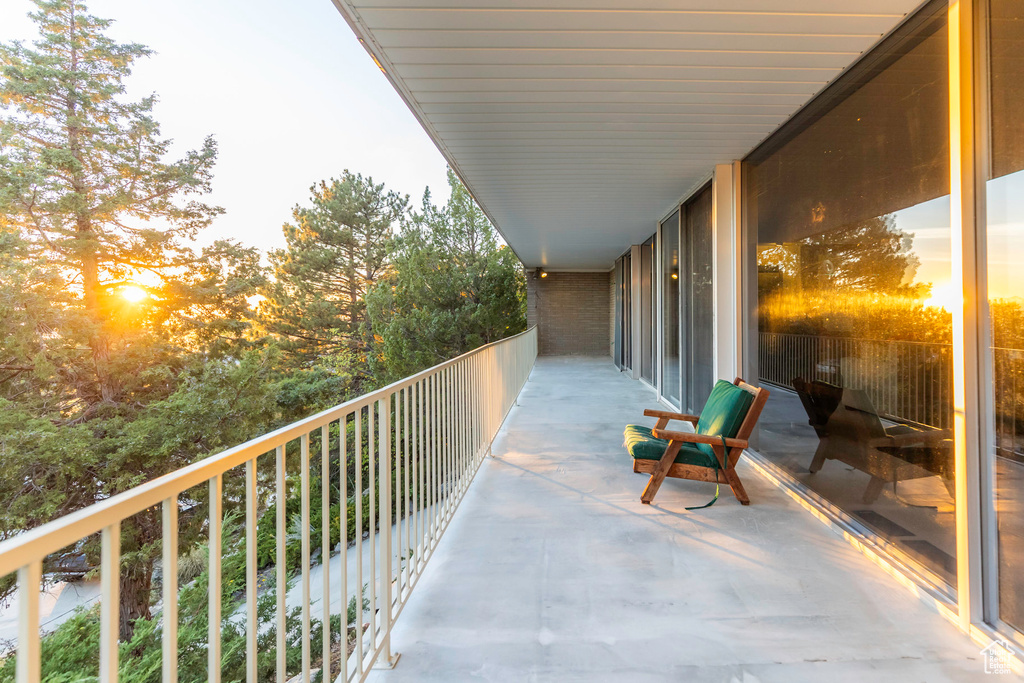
{"x": 857, "y": 405}
{"x": 731, "y": 411}
{"x": 820, "y": 400}
{"x": 760, "y": 398}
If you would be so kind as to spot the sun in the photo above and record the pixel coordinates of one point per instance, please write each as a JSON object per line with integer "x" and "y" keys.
{"x": 134, "y": 294}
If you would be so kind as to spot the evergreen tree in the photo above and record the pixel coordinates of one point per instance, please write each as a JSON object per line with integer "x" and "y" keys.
{"x": 94, "y": 385}
{"x": 336, "y": 250}
{"x": 450, "y": 289}
{"x": 82, "y": 169}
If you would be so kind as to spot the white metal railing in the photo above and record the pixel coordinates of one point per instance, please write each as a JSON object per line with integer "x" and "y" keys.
{"x": 426, "y": 435}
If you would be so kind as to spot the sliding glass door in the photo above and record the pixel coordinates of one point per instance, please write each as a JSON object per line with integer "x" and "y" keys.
{"x": 648, "y": 331}
{"x": 1005, "y": 237}
{"x": 625, "y": 322}
{"x": 697, "y": 302}
{"x": 850, "y": 210}
{"x": 671, "y": 371}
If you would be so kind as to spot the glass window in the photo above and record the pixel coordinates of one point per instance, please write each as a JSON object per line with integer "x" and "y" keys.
{"x": 670, "y": 377}
{"x": 617, "y": 313}
{"x": 850, "y": 207}
{"x": 1005, "y": 237}
{"x": 698, "y": 301}
{"x": 627, "y": 312}
{"x": 647, "y": 330}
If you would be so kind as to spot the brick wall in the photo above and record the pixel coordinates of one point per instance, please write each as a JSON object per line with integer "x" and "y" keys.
{"x": 571, "y": 313}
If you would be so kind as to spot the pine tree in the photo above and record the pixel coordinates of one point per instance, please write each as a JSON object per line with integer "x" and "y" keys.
{"x": 336, "y": 250}
{"x": 451, "y": 287}
{"x": 82, "y": 170}
{"x": 101, "y": 393}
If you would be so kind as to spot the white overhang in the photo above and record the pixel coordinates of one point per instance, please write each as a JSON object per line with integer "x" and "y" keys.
{"x": 576, "y": 124}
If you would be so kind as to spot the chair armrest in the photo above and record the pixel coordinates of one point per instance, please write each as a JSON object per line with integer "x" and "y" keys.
{"x": 922, "y": 437}
{"x": 690, "y": 437}
{"x": 671, "y": 416}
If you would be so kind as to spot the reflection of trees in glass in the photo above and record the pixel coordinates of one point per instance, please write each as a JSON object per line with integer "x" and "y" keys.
{"x": 854, "y": 281}
{"x": 1007, "y": 317}
{"x": 870, "y": 256}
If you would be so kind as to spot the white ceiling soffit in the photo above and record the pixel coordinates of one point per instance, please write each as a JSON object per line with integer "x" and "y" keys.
{"x": 577, "y": 123}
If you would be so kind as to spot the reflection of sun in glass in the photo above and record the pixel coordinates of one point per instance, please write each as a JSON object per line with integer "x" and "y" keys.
{"x": 133, "y": 293}
{"x": 944, "y": 296}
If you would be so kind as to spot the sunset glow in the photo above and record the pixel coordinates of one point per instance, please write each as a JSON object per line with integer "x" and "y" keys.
{"x": 134, "y": 294}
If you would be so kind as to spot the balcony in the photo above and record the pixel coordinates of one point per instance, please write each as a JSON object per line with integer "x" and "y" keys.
{"x": 550, "y": 568}
{"x": 553, "y": 570}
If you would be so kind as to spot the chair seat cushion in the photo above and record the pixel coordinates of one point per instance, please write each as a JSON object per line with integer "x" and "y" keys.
{"x": 643, "y": 445}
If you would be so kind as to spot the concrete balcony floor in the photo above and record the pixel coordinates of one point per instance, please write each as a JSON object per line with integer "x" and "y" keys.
{"x": 552, "y": 570}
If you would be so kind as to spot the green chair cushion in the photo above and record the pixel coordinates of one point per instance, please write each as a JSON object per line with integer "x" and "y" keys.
{"x": 723, "y": 412}
{"x": 642, "y": 445}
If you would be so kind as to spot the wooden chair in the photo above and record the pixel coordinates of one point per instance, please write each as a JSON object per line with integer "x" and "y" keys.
{"x": 851, "y": 431}
{"x": 711, "y": 452}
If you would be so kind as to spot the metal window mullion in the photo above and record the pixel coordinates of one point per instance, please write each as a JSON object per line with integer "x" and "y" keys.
{"x": 966, "y": 334}
{"x": 986, "y": 356}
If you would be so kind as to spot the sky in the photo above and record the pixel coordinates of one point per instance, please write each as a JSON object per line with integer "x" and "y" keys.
{"x": 286, "y": 90}
{"x": 929, "y": 222}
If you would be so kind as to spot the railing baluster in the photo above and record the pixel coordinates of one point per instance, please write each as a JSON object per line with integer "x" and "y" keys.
{"x": 436, "y": 426}
{"x": 384, "y": 448}
{"x": 110, "y": 600}
{"x": 282, "y": 570}
{"x": 407, "y": 498}
{"x": 251, "y": 623}
{"x": 358, "y": 446}
{"x": 325, "y": 549}
{"x": 304, "y": 520}
{"x": 449, "y": 442}
{"x": 343, "y": 505}
{"x": 435, "y": 401}
{"x": 30, "y": 577}
{"x": 417, "y": 464}
{"x": 371, "y": 451}
{"x": 169, "y": 611}
{"x": 428, "y": 457}
{"x": 396, "y": 489}
{"x": 213, "y": 631}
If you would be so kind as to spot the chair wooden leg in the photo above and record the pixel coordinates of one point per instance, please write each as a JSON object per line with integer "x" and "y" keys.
{"x": 873, "y": 489}
{"x": 737, "y": 486}
{"x": 660, "y": 472}
{"x": 819, "y": 459}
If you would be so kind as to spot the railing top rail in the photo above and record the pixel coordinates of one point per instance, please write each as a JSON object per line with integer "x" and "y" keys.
{"x": 48, "y": 538}
{"x": 855, "y": 339}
